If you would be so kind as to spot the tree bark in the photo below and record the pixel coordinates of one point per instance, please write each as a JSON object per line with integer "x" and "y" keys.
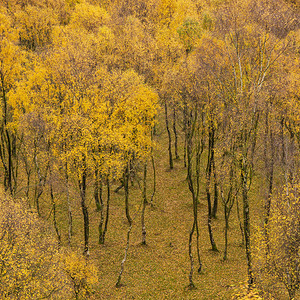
{"x": 126, "y": 188}
{"x": 216, "y": 196}
{"x": 102, "y": 233}
{"x": 154, "y": 180}
{"x": 82, "y": 187}
{"x": 245, "y": 178}
{"x": 70, "y": 220}
{"x": 118, "y": 283}
{"x": 54, "y": 209}
{"x": 97, "y": 190}
{"x": 169, "y": 137}
{"x": 194, "y": 186}
{"x": 175, "y": 134}
{"x": 208, "y": 181}
{"x": 144, "y": 205}
{"x": 8, "y": 149}
{"x": 240, "y": 222}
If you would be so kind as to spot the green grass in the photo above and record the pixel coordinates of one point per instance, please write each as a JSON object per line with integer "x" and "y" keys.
{"x": 160, "y": 269}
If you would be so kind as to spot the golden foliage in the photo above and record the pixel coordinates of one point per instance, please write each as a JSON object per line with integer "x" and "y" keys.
{"x": 32, "y": 265}
{"x": 277, "y": 246}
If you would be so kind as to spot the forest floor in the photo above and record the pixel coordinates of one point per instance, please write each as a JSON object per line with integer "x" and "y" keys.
{"x": 160, "y": 269}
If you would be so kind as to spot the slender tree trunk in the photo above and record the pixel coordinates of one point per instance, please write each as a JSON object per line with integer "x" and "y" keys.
{"x": 154, "y": 171}
{"x": 184, "y": 152}
{"x": 245, "y": 178}
{"x": 240, "y": 222}
{"x": 191, "y": 188}
{"x": 270, "y": 177}
{"x": 197, "y": 237}
{"x": 97, "y": 190}
{"x": 191, "y": 283}
{"x": 283, "y": 153}
{"x": 54, "y": 209}
{"x": 226, "y": 232}
{"x": 28, "y": 188}
{"x": 82, "y": 186}
{"x": 144, "y": 205}
{"x": 208, "y": 181}
{"x": 103, "y": 233}
{"x": 194, "y": 189}
{"x": 169, "y": 136}
{"x": 228, "y": 203}
{"x": 8, "y": 146}
{"x": 28, "y": 175}
{"x": 154, "y": 180}
{"x": 175, "y": 134}
{"x": 126, "y": 187}
{"x": 216, "y": 196}
{"x": 39, "y": 187}
{"x": 130, "y": 222}
{"x": 118, "y": 283}
{"x": 70, "y": 220}
{"x": 185, "y": 127}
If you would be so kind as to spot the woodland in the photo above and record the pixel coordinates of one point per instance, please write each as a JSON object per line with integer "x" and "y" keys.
{"x": 150, "y": 149}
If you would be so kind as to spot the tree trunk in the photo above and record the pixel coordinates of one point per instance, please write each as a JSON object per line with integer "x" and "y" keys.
{"x": 240, "y": 222}
{"x": 54, "y": 209}
{"x": 244, "y": 177}
{"x": 175, "y": 134}
{"x": 185, "y": 127}
{"x": 154, "y": 180}
{"x": 154, "y": 171}
{"x": 8, "y": 148}
{"x": 126, "y": 188}
{"x": 144, "y": 205}
{"x": 82, "y": 186}
{"x": 97, "y": 190}
{"x": 228, "y": 203}
{"x": 270, "y": 177}
{"x": 215, "y": 206}
{"x": 169, "y": 137}
{"x": 208, "y": 181}
{"x": 70, "y": 220}
{"x": 102, "y": 233}
{"x": 118, "y": 283}
{"x": 39, "y": 187}
{"x": 194, "y": 186}
{"x": 226, "y": 233}
{"x": 191, "y": 283}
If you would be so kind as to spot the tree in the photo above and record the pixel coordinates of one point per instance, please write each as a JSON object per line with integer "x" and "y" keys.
{"x": 32, "y": 266}
{"x": 278, "y": 256}
{"x": 11, "y": 59}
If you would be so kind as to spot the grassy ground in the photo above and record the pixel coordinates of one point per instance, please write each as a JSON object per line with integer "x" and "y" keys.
{"x": 160, "y": 269}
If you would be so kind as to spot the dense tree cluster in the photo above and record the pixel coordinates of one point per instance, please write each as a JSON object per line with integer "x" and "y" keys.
{"x": 84, "y": 83}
